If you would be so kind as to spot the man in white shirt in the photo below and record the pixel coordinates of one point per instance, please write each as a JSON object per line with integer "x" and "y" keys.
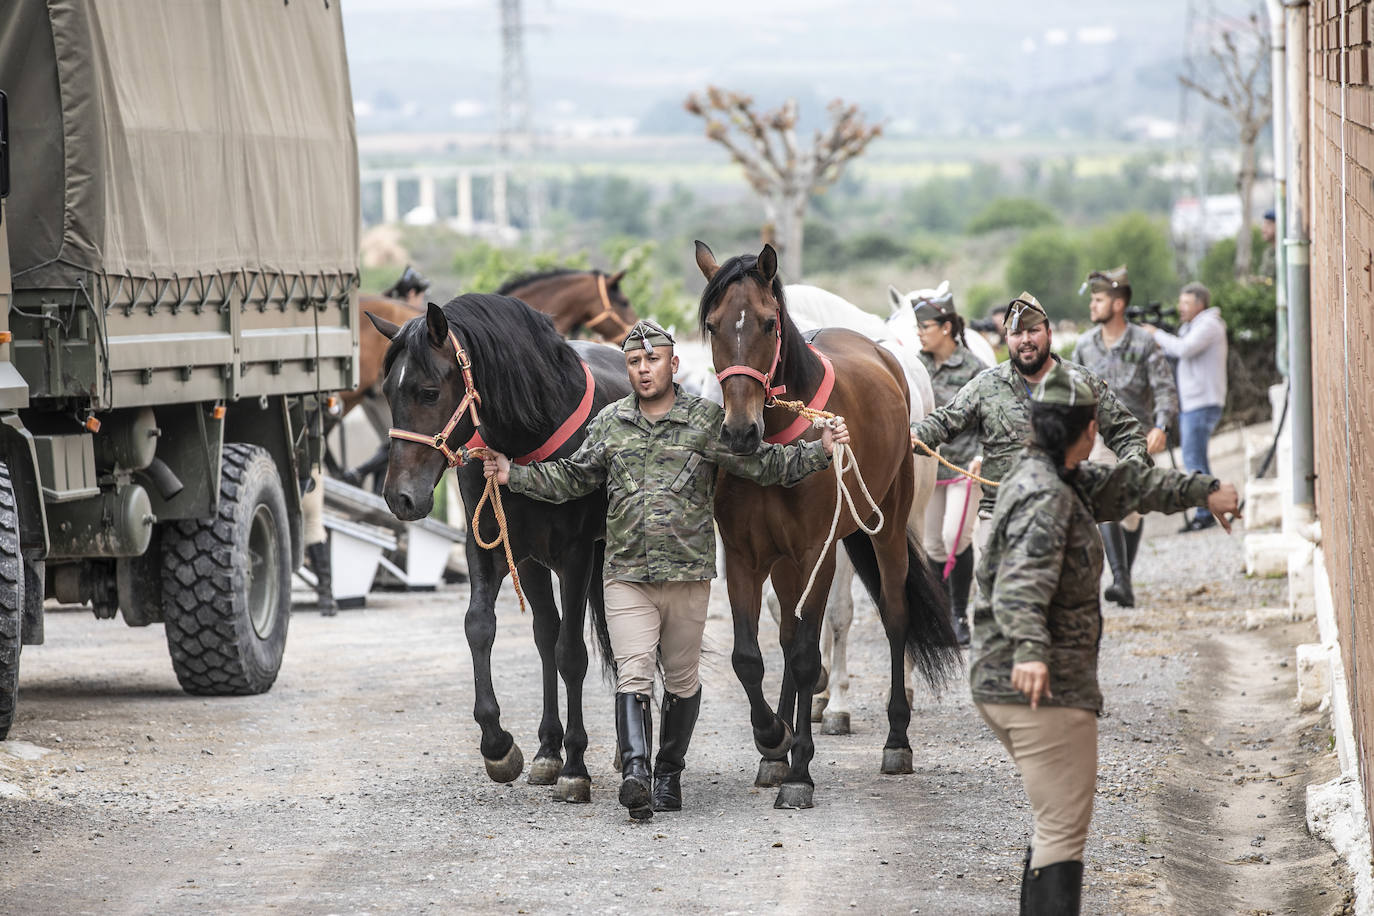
{"x": 1200, "y": 348}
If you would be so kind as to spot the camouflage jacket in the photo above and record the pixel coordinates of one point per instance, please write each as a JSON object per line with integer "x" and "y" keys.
{"x": 947, "y": 378}
{"x": 1039, "y": 576}
{"x": 997, "y": 405}
{"x": 1136, "y": 370}
{"x": 660, "y": 480}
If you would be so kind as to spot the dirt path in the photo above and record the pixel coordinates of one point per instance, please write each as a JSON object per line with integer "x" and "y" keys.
{"x": 355, "y": 784}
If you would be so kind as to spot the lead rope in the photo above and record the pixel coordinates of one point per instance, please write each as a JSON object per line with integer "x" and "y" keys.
{"x": 492, "y": 493}
{"x": 820, "y": 418}
{"x": 954, "y": 467}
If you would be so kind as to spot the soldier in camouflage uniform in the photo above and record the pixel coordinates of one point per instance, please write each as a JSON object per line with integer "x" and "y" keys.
{"x": 996, "y": 405}
{"x": 1127, "y": 358}
{"x": 657, "y": 452}
{"x": 952, "y": 511}
{"x": 1037, "y": 620}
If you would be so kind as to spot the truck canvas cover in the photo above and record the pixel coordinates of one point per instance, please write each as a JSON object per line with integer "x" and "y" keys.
{"x": 162, "y": 138}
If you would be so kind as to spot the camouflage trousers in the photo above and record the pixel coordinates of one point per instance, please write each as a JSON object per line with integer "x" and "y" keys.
{"x": 646, "y": 617}
{"x": 1055, "y": 748}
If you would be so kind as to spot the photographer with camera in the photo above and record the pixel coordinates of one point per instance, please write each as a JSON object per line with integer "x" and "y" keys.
{"x": 1200, "y": 348}
{"x": 1127, "y": 358}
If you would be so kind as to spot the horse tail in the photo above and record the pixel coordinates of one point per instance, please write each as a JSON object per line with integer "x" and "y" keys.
{"x": 930, "y": 640}
{"x": 596, "y": 597}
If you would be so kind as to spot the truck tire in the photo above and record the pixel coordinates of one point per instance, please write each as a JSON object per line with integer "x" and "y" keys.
{"x": 11, "y": 602}
{"x": 226, "y": 582}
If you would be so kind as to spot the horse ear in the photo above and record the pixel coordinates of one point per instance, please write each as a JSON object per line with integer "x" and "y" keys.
{"x": 437, "y": 324}
{"x": 898, "y": 301}
{"x": 615, "y": 278}
{"x": 386, "y": 328}
{"x": 706, "y": 261}
{"x": 768, "y": 263}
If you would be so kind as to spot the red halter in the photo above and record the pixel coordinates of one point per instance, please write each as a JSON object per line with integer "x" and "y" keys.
{"x": 764, "y": 378}
{"x": 469, "y": 403}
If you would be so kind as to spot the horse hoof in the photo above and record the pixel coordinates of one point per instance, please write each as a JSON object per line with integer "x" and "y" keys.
{"x": 818, "y": 705}
{"x": 795, "y": 795}
{"x": 896, "y": 761}
{"x": 575, "y": 790}
{"x": 544, "y": 771}
{"x": 508, "y": 768}
{"x": 835, "y": 723}
{"x": 771, "y": 773}
{"x": 779, "y": 752}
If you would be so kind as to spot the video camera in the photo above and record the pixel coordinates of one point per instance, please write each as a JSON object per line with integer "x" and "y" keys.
{"x": 1161, "y": 316}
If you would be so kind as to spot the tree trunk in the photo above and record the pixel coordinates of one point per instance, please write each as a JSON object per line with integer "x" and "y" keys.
{"x": 788, "y": 212}
{"x": 1245, "y": 184}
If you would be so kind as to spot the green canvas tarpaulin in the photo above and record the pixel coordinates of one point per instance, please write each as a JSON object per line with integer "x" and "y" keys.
{"x": 171, "y": 137}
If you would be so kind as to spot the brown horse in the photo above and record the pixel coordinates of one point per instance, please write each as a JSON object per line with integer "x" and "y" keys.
{"x": 783, "y": 532}
{"x": 574, "y": 299}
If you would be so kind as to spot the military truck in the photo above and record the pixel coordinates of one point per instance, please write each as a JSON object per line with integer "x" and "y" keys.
{"x": 178, "y": 288}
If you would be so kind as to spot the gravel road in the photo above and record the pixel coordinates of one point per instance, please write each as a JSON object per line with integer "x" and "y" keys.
{"x": 355, "y": 785}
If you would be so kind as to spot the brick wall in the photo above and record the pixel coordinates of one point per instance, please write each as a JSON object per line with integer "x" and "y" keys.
{"x": 1342, "y": 230}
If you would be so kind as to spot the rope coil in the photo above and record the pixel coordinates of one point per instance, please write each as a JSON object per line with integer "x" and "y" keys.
{"x": 492, "y": 494}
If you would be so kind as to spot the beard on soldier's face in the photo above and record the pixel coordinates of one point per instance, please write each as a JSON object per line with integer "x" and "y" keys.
{"x": 1032, "y": 363}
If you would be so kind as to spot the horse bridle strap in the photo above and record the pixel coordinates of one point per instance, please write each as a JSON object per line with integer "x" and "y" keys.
{"x": 817, "y": 402}
{"x": 763, "y": 378}
{"x": 467, "y": 405}
{"x": 607, "y": 311}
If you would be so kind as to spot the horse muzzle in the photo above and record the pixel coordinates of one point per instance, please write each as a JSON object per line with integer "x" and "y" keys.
{"x": 408, "y": 505}
{"x": 742, "y": 438}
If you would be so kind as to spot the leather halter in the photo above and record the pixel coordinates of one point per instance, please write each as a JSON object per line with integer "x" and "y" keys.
{"x": 763, "y": 378}
{"x": 607, "y": 312}
{"x": 469, "y": 405}
{"x": 817, "y": 402}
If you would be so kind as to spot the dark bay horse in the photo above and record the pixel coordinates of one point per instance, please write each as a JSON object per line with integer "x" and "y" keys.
{"x": 573, "y": 299}
{"x": 782, "y": 532}
{"x": 530, "y": 383}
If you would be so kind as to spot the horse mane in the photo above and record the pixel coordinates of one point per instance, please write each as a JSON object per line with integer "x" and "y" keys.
{"x": 535, "y": 276}
{"x": 524, "y": 371}
{"x": 798, "y": 367}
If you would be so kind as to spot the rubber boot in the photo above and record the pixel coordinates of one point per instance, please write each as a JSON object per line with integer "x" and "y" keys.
{"x": 318, "y": 555}
{"x": 679, "y": 719}
{"x": 960, "y": 582}
{"x": 1114, "y": 546}
{"x": 1133, "y": 544}
{"x": 1052, "y": 890}
{"x": 634, "y": 733}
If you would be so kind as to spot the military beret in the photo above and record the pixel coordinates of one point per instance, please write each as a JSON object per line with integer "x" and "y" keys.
{"x": 934, "y": 305}
{"x": 1102, "y": 280}
{"x": 1023, "y": 313}
{"x": 1065, "y": 387}
{"x": 646, "y": 335}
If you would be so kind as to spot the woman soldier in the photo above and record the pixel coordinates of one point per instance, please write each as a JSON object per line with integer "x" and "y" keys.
{"x": 953, "y": 508}
{"x": 1037, "y": 621}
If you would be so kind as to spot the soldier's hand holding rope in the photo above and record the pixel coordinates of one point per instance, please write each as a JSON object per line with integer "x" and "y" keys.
{"x": 497, "y": 465}
{"x": 833, "y": 433}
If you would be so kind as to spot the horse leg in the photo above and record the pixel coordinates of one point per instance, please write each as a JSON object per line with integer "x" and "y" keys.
{"x": 839, "y": 617}
{"x": 803, "y": 661}
{"x": 890, "y": 550}
{"x": 574, "y": 782}
{"x": 822, "y": 697}
{"x": 500, "y": 753}
{"x": 537, "y": 582}
{"x": 772, "y": 735}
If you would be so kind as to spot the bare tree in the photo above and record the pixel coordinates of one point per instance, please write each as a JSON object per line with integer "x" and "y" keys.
{"x": 784, "y": 175}
{"x": 1244, "y": 94}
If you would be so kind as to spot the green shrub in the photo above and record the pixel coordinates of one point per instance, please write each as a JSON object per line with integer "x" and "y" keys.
{"x": 1049, "y": 264}
{"x": 1011, "y": 213}
{"x": 1142, "y": 244}
{"x": 981, "y": 298}
{"x": 926, "y": 252}
{"x": 873, "y": 245}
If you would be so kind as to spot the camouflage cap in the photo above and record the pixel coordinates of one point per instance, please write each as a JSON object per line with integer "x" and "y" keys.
{"x": 1102, "y": 280}
{"x": 1065, "y": 387}
{"x": 1023, "y": 313}
{"x": 646, "y": 335}
{"x": 934, "y": 305}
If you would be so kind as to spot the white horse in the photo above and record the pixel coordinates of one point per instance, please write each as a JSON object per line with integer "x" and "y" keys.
{"x": 902, "y": 324}
{"x": 810, "y": 308}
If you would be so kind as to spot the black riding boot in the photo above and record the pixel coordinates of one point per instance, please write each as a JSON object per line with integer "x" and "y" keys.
{"x": 1133, "y": 544}
{"x": 1025, "y": 880}
{"x": 635, "y": 737}
{"x": 960, "y": 581}
{"x": 1052, "y": 890}
{"x": 679, "y": 718}
{"x": 318, "y": 555}
{"x": 1114, "y": 545}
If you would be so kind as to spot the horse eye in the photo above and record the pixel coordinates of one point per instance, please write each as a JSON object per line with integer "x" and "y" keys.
{"x": 429, "y": 395}
{"x": 769, "y": 325}
{"x": 710, "y": 328}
